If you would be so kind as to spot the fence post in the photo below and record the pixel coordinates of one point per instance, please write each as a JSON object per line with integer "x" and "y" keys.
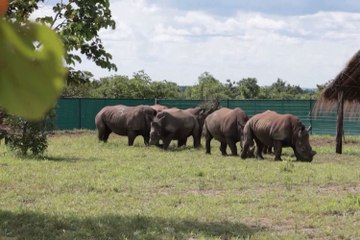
{"x": 310, "y": 114}
{"x": 80, "y": 113}
{"x": 227, "y": 103}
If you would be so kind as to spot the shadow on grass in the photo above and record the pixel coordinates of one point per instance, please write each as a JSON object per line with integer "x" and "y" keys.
{"x": 31, "y": 225}
{"x": 69, "y": 159}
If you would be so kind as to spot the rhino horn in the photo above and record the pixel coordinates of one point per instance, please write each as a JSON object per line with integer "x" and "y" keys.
{"x": 309, "y": 128}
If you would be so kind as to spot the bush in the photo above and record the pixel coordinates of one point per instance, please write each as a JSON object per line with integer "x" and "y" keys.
{"x": 27, "y": 136}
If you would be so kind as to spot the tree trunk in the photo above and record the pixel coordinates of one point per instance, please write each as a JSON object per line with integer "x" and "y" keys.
{"x": 339, "y": 121}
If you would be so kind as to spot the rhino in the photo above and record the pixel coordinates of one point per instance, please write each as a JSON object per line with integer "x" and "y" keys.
{"x": 126, "y": 121}
{"x": 199, "y": 113}
{"x": 278, "y": 130}
{"x": 174, "y": 124}
{"x": 225, "y": 125}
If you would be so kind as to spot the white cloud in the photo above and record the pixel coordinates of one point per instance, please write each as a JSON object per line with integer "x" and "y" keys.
{"x": 179, "y": 45}
{"x": 260, "y": 22}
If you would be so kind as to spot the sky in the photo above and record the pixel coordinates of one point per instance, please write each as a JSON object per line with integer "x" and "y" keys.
{"x": 303, "y": 42}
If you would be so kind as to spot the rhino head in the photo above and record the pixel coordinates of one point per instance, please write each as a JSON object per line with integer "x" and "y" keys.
{"x": 303, "y": 150}
{"x": 155, "y": 129}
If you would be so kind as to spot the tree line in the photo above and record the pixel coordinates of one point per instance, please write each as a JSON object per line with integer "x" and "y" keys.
{"x": 140, "y": 85}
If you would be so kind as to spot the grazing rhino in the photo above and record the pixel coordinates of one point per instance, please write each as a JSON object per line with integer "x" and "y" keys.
{"x": 225, "y": 125}
{"x": 199, "y": 113}
{"x": 125, "y": 121}
{"x": 174, "y": 124}
{"x": 278, "y": 130}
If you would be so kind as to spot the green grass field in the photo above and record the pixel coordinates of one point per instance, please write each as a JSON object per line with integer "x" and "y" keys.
{"x": 83, "y": 189}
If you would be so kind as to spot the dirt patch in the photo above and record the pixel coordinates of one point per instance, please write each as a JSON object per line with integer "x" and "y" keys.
{"x": 331, "y": 141}
{"x": 334, "y": 189}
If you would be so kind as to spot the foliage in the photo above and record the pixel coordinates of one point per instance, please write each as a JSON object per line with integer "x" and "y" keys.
{"x": 208, "y": 87}
{"x": 248, "y": 88}
{"x": 139, "y": 86}
{"x": 31, "y": 78}
{"x": 83, "y": 189}
{"x": 77, "y": 23}
{"x": 28, "y": 136}
{"x": 165, "y": 89}
{"x": 282, "y": 90}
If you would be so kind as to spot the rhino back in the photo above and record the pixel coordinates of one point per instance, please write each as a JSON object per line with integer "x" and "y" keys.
{"x": 270, "y": 126}
{"x": 214, "y": 122}
{"x": 224, "y": 123}
{"x": 232, "y": 119}
{"x": 179, "y": 122}
{"x": 120, "y": 119}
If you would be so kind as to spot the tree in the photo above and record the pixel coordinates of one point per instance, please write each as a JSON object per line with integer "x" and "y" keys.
{"x": 113, "y": 87}
{"x": 208, "y": 88}
{"x": 248, "y": 88}
{"x": 282, "y": 90}
{"x": 139, "y": 85}
{"x": 27, "y": 47}
{"x": 231, "y": 89}
{"x": 165, "y": 89}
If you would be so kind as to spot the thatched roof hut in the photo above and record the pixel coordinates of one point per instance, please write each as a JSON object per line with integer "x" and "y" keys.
{"x": 343, "y": 94}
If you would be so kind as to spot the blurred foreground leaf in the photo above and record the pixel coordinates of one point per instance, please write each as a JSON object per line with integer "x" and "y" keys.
{"x": 30, "y": 79}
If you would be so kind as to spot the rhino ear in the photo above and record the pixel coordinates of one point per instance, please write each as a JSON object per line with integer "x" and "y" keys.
{"x": 301, "y": 131}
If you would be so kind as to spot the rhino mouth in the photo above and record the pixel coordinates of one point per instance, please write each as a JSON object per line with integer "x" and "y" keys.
{"x": 308, "y": 158}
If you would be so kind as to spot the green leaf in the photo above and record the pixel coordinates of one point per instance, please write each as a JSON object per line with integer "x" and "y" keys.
{"x": 30, "y": 80}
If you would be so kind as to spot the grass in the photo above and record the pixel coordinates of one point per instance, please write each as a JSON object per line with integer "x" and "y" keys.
{"x": 83, "y": 189}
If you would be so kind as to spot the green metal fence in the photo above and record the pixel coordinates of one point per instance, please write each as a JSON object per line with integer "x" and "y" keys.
{"x": 79, "y": 113}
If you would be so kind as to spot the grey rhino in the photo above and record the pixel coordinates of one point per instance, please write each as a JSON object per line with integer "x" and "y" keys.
{"x": 199, "y": 113}
{"x": 277, "y": 130}
{"x": 225, "y": 125}
{"x": 125, "y": 121}
{"x": 174, "y": 124}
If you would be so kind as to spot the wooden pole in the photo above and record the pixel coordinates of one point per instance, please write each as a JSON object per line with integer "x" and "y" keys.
{"x": 339, "y": 121}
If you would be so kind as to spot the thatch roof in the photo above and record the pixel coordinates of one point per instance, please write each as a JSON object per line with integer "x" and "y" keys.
{"x": 348, "y": 81}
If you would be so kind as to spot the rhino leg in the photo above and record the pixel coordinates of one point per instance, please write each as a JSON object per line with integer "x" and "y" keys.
{"x": 267, "y": 149}
{"x": 197, "y": 139}
{"x": 207, "y": 144}
{"x": 167, "y": 140}
{"x": 146, "y": 139}
{"x": 259, "y": 149}
{"x": 131, "y": 138}
{"x": 103, "y": 134}
{"x": 223, "y": 148}
{"x": 277, "y": 150}
{"x": 232, "y": 146}
{"x": 182, "y": 142}
{"x": 208, "y": 138}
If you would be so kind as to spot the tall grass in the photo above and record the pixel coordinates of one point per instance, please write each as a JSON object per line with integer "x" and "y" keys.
{"x": 84, "y": 189}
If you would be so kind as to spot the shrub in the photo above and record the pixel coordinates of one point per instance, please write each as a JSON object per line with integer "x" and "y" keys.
{"x": 28, "y": 136}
